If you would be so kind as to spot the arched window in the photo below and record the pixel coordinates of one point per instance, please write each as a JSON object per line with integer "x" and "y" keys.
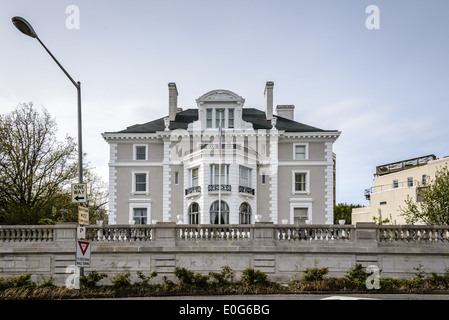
{"x": 219, "y": 215}
{"x": 194, "y": 210}
{"x": 245, "y": 213}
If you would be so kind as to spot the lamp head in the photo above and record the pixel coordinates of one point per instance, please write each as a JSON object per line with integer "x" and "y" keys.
{"x": 24, "y": 26}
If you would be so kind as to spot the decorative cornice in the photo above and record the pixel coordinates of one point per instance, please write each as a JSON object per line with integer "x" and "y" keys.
{"x": 220, "y": 96}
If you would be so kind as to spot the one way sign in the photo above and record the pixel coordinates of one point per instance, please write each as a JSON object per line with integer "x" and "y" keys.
{"x": 79, "y": 192}
{"x": 83, "y": 253}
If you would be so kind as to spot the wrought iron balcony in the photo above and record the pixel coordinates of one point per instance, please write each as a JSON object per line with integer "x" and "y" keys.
{"x": 192, "y": 190}
{"x": 216, "y": 187}
{"x": 247, "y": 190}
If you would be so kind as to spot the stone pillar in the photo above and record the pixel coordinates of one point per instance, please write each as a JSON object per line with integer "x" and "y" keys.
{"x": 367, "y": 233}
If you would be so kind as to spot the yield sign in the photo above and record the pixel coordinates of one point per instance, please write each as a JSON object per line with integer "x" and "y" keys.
{"x": 83, "y": 246}
{"x": 82, "y": 253}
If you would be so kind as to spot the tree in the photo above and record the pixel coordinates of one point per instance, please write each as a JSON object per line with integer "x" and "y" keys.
{"x": 434, "y": 205}
{"x": 343, "y": 211}
{"x": 36, "y": 169}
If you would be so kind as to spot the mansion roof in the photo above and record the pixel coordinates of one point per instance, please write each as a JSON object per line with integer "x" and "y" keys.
{"x": 254, "y": 116}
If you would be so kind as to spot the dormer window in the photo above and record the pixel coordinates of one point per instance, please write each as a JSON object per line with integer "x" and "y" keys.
{"x": 230, "y": 105}
{"x": 230, "y": 118}
{"x": 208, "y": 118}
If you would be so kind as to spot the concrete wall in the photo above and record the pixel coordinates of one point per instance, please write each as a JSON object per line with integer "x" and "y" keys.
{"x": 278, "y": 250}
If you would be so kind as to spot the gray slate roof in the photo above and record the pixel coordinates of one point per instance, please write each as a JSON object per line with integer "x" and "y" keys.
{"x": 255, "y": 116}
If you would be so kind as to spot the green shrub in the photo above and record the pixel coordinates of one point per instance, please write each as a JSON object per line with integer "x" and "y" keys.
{"x": 144, "y": 280}
{"x": 315, "y": 274}
{"x": 185, "y": 276}
{"x": 357, "y": 276}
{"x": 91, "y": 280}
{"x": 22, "y": 281}
{"x": 251, "y": 277}
{"x": 122, "y": 280}
{"x": 224, "y": 278}
{"x": 48, "y": 284}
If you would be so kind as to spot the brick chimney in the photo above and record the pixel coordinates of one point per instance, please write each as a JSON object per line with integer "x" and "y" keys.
{"x": 286, "y": 111}
{"x": 172, "y": 101}
{"x": 269, "y": 100}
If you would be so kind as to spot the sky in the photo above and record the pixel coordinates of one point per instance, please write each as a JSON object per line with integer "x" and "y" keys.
{"x": 384, "y": 88}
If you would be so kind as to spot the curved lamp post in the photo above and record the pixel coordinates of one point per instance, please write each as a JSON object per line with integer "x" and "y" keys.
{"x": 26, "y": 28}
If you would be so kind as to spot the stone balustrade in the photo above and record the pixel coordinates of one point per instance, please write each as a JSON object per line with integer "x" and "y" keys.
{"x": 276, "y": 249}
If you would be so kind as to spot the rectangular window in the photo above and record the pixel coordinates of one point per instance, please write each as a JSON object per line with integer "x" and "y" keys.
{"x": 217, "y": 118}
{"x": 208, "y": 118}
{"x": 194, "y": 177}
{"x": 424, "y": 180}
{"x": 300, "y": 152}
{"x": 301, "y": 181}
{"x": 140, "y": 152}
{"x": 176, "y": 177}
{"x": 231, "y": 118}
{"x": 214, "y": 174}
{"x": 300, "y": 215}
{"x": 395, "y": 184}
{"x": 410, "y": 182}
{"x": 264, "y": 178}
{"x": 140, "y": 182}
{"x": 245, "y": 177}
{"x": 140, "y": 216}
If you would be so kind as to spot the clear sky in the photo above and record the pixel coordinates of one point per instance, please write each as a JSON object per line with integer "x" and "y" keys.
{"x": 385, "y": 89}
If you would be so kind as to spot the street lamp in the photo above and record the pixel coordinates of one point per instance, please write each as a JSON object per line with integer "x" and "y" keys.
{"x": 26, "y": 28}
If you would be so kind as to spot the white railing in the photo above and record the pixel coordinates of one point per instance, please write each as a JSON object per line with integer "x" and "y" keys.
{"x": 214, "y": 232}
{"x": 27, "y": 233}
{"x": 386, "y": 234}
{"x": 119, "y": 233}
{"x": 315, "y": 233}
{"x": 413, "y": 234}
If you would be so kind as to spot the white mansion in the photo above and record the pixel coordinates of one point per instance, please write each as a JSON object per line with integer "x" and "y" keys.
{"x": 222, "y": 163}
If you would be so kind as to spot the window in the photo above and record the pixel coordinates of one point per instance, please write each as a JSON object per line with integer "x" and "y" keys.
{"x": 140, "y": 182}
{"x": 140, "y": 152}
{"x": 300, "y": 215}
{"x": 194, "y": 177}
{"x": 245, "y": 177}
{"x": 263, "y": 178}
{"x": 194, "y": 210}
{"x": 208, "y": 118}
{"x": 410, "y": 182}
{"x": 245, "y": 213}
{"x": 424, "y": 180}
{"x": 395, "y": 184}
{"x": 215, "y": 176}
{"x": 231, "y": 118}
{"x": 176, "y": 177}
{"x": 217, "y": 118}
{"x": 140, "y": 215}
{"x": 300, "y": 152}
{"x": 300, "y": 182}
{"x": 219, "y": 214}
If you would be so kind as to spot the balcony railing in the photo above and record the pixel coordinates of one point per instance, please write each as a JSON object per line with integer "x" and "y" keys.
{"x": 216, "y": 187}
{"x": 247, "y": 190}
{"x": 193, "y": 190}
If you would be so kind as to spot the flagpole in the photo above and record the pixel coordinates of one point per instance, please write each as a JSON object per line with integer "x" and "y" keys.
{"x": 219, "y": 171}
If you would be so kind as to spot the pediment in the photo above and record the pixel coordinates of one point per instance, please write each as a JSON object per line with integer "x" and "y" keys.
{"x": 220, "y": 96}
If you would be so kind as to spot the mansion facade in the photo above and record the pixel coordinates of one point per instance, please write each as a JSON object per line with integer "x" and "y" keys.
{"x": 222, "y": 163}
